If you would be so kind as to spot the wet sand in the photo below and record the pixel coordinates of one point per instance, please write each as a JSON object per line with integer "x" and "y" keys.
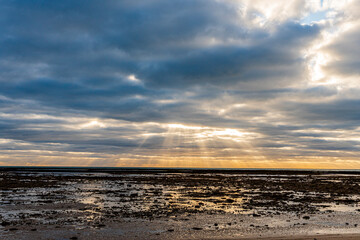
{"x": 178, "y": 204}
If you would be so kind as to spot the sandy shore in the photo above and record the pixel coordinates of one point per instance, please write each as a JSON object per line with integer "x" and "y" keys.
{"x": 179, "y": 205}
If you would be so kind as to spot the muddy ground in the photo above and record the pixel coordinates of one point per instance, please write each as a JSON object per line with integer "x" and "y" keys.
{"x": 176, "y": 204}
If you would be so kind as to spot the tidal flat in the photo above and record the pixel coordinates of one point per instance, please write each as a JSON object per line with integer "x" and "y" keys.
{"x": 178, "y": 204}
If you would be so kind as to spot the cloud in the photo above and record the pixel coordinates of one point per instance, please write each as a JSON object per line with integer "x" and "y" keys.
{"x": 107, "y": 81}
{"x": 275, "y": 59}
{"x": 345, "y": 53}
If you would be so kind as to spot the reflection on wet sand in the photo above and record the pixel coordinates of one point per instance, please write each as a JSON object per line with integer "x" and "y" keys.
{"x": 211, "y": 204}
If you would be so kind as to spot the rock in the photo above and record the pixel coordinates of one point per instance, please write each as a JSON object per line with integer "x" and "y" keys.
{"x": 4, "y": 224}
{"x": 197, "y": 228}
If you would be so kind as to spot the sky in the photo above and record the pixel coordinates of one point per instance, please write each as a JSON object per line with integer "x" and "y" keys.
{"x": 180, "y": 83}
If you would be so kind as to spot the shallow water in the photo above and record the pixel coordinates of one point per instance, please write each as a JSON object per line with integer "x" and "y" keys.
{"x": 83, "y": 200}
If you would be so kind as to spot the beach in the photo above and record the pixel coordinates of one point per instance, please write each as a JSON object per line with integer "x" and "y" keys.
{"x": 80, "y": 203}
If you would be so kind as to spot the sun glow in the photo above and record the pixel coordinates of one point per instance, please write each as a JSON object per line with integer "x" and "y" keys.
{"x": 92, "y": 124}
{"x": 132, "y": 78}
{"x": 189, "y": 145}
{"x": 181, "y": 126}
{"x": 201, "y": 133}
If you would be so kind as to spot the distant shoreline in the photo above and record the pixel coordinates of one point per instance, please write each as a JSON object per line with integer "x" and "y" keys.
{"x": 119, "y": 170}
